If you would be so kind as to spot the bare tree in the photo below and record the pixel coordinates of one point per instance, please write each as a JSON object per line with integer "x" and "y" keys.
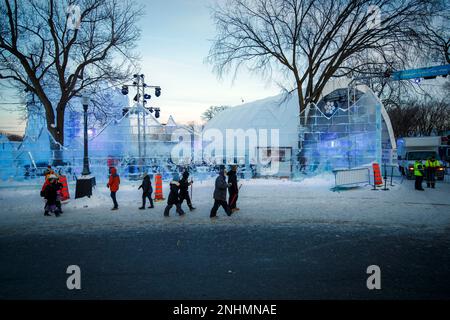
{"x": 44, "y": 50}
{"x": 212, "y": 111}
{"x": 432, "y": 35}
{"x": 309, "y": 41}
{"x": 421, "y": 118}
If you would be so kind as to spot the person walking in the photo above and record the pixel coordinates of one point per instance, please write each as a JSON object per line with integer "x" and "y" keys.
{"x": 431, "y": 165}
{"x": 147, "y": 191}
{"x": 113, "y": 185}
{"x": 220, "y": 194}
{"x": 418, "y": 173}
{"x": 174, "y": 197}
{"x": 184, "y": 190}
{"x": 233, "y": 189}
{"x": 50, "y": 194}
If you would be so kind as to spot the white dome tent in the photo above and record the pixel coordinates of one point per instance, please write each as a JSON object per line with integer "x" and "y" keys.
{"x": 346, "y": 122}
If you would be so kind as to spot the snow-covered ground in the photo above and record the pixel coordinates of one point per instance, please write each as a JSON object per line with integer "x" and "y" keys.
{"x": 262, "y": 201}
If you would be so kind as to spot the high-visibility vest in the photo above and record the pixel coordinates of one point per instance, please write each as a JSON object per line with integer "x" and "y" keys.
{"x": 432, "y": 164}
{"x": 418, "y": 167}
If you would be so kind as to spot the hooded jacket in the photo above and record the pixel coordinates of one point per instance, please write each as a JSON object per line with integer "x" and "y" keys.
{"x": 220, "y": 190}
{"x": 146, "y": 185}
{"x": 184, "y": 184}
{"x": 174, "y": 196}
{"x": 232, "y": 179}
{"x": 51, "y": 192}
{"x": 114, "y": 180}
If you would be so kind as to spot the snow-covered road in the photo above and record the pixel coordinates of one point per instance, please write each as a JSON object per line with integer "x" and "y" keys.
{"x": 273, "y": 202}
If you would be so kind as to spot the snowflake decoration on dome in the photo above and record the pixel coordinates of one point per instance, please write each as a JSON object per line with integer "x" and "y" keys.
{"x": 329, "y": 108}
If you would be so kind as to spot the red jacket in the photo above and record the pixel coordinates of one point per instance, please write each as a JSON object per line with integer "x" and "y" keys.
{"x": 114, "y": 180}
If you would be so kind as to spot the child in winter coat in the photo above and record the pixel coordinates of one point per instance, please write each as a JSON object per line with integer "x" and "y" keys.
{"x": 113, "y": 185}
{"x": 174, "y": 197}
{"x": 50, "y": 194}
{"x": 147, "y": 191}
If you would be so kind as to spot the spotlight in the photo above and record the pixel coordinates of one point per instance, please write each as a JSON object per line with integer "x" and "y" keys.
{"x": 124, "y": 90}
{"x": 147, "y": 96}
{"x": 156, "y": 112}
{"x": 157, "y": 91}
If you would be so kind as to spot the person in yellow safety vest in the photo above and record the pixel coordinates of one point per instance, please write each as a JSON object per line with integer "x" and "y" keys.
{"x": 418, "y": 173}
{"x": 431, "y": 166}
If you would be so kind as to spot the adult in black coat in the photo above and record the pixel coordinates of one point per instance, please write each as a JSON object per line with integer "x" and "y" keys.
{"x": 147, "y": 191}
{"x": 233, "y": 190}
{"x": 184, "y": 190}
{"x": 51, "y": 196}
{"x": 220, "y": 194}
{"x": 174, "y": 197}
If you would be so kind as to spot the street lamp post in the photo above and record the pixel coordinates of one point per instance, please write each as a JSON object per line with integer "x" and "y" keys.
{"x": 86, "y": 182}
{"x": 86, "y": 170}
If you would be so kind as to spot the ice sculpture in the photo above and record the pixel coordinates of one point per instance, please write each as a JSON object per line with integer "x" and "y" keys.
{"x": 344, "y": 130}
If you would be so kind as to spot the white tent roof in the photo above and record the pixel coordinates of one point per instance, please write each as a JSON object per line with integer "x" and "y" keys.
{"x": 269, "y": 113}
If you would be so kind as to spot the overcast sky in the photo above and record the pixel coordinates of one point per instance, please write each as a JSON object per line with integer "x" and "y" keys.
{"x": 175, "y": 40}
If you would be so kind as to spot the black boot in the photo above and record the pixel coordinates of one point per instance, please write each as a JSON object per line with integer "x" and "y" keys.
{"x": 46, "y": 214}
{"x": 191, "y": 208}
{"x": 167, "y": 210}
{"x": 141, "y": 208}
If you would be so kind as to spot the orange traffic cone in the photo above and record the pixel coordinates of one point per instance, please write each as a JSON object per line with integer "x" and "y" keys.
{"x": 158, "y": 188}
{"x": 65, "y": 196}
{"x": 378, "y": 181}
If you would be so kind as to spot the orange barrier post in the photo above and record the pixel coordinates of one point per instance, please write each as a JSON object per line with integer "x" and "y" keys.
{"x": 158, "y": 188}
{"x": 65, "y": 196}
{"x": 378, "y": 180}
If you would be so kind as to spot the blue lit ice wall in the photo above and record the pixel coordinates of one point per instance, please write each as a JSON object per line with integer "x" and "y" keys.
{"x": 336, "y": 136}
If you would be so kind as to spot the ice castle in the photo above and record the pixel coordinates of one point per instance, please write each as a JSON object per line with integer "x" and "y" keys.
{"x": 349, "y": 127}
{"x": 132, "y": 139}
